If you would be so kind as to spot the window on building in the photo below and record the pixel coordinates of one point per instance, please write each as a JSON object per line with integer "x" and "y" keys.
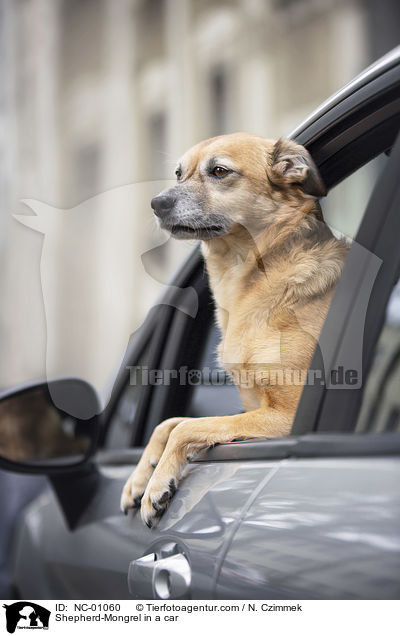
{"x": 87, "y": 171}
{"x": 157, "y": 134}
{"x": 219, "y": 101}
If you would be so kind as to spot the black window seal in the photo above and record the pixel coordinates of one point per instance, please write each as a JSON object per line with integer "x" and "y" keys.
{"x": 303, "y": 446}
{"x": 316, "y": 445}
{"x": 367, "y": 78}
{"x": 363, "y": 100}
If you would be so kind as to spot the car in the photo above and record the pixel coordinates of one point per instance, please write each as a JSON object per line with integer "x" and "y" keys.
{"x": 314, "y": 515}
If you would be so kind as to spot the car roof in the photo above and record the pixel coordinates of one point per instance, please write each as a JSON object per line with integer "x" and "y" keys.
{"x": 376, "y": 69}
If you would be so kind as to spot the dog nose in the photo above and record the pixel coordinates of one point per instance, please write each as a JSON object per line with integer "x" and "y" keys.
{"x": 162, "y": 204}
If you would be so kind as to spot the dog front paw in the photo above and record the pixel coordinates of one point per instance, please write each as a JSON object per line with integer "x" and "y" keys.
{"x": 156, "y": 499}
{"x": 133, "y": 491}
{"x": 136, "y": 484}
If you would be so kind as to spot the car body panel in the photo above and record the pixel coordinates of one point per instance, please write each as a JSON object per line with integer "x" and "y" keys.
{"x": 93, "y": 560}
{"x": 295, "y": 528}
{"x": 321, "y": 529}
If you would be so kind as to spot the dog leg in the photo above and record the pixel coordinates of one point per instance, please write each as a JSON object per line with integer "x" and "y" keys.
{"x": 138, "y": 480}
{"x": 190, "y": 436}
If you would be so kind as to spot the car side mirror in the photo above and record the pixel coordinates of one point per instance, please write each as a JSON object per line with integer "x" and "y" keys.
{"x": 48, "y": 427}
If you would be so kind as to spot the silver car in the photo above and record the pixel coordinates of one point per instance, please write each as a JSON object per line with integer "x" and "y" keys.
{"x": 315, "y": 515}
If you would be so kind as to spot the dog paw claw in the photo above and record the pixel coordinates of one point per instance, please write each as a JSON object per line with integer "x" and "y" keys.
{"x": 154, "y": 505}
{"x": 163, "y": 499}
{"x": 137, "y": 501}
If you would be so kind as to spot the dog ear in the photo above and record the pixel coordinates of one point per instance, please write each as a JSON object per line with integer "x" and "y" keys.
{"x": 291, "y": 165}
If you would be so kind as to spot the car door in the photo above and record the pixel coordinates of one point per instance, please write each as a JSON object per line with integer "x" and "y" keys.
{"x": 199, "y": 550}
{"x": 327, "y": 524}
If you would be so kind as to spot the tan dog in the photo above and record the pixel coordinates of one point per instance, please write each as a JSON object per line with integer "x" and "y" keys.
{"x": 273, "y": 265}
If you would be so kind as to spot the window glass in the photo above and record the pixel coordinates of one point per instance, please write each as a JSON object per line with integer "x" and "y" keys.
{"x": 345, "y": 204}
{"x": 121, "y": 427}
{"x": 380, "y": 407}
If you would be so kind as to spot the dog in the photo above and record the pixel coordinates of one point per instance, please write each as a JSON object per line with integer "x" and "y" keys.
{"x": 273, "y": 265}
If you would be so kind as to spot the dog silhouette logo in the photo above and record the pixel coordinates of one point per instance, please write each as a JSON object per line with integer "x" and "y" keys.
{"x": 26, "y": 615}
{"x": 120, "y": 275}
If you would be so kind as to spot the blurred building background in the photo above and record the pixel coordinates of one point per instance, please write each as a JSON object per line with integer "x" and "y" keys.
{"x": 96, "y": 94}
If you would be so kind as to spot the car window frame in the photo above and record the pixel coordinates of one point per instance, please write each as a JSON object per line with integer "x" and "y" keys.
{"x": 337, "y": 158}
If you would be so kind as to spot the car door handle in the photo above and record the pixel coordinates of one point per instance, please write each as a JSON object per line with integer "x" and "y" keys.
{"x": 168, "y": 578}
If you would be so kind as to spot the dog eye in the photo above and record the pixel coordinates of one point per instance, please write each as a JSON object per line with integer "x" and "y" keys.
{"x": 219, "y": 171}
{"x": 178, "y": 173}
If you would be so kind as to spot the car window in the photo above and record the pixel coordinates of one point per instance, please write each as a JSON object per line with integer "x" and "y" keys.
{"x": 380, "y": 406}
{"x": 212, "y": 390}
{"x": 215, "y": 392}
{"x": 121, "y": 426}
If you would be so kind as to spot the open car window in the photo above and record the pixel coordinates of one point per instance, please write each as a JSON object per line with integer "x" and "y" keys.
{"x": 188, "y": 344}
{"x": 207, "y": 390}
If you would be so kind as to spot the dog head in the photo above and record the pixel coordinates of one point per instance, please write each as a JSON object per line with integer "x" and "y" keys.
{"x": 233, "y": 181}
